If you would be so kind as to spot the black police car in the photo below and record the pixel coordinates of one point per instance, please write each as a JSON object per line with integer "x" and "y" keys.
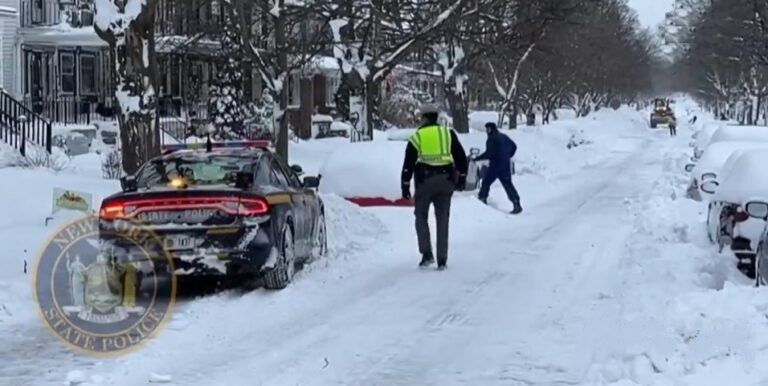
{"x": 231, "y": 209}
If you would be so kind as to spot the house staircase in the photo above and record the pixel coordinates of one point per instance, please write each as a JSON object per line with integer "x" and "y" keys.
{"x": 20, "y": 127}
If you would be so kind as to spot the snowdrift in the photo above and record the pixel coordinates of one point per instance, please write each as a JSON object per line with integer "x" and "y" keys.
{"x": 545, "y": 153}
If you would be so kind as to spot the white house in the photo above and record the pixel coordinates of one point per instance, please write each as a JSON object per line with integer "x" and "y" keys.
{"x": 9, "y": 22}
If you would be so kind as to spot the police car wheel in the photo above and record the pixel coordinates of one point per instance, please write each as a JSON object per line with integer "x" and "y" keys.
{"x": 320, "y": 241}
{"x": 281, "y": 274}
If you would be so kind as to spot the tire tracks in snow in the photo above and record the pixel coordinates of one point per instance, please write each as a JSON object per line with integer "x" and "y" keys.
{"x": 590, "y": 204}
{"x": 390, "y": 364}
{"x": 365, "y": 327}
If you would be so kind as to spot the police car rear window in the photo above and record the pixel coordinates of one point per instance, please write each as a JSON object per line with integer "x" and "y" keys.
{"x": 211, "y": 170}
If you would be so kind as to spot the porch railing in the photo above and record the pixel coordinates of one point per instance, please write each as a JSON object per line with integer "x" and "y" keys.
{"x": 176, "y": 116}
{"x": 18, "y": 124}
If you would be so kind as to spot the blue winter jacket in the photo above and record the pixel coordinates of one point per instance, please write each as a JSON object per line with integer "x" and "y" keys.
{"x": 499, "y": 150}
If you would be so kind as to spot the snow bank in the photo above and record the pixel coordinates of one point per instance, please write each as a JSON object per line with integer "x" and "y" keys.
{"x": 547, "y": 153}
{"x": 366, "y": 169}
{"x": 694, "y": 319}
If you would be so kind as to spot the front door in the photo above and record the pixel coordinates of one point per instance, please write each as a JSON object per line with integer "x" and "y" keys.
{"x": 37, "y": 80}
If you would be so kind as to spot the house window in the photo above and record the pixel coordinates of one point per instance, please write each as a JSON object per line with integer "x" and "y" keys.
{"x": 67, "y": 62}
{"x": 331, "y": 86}
{"x": 87, "y": 74}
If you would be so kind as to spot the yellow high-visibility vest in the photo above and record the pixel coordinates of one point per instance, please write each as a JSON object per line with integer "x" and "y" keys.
{"x": 434, "y": 145}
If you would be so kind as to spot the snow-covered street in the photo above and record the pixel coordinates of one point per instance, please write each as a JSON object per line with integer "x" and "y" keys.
{"x": 606, "y": 278}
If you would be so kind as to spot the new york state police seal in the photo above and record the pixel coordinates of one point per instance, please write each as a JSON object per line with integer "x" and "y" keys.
{"x": 103, "y": 293}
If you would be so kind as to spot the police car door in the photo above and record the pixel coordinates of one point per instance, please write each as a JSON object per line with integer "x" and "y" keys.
{"x": 298, "y": 205}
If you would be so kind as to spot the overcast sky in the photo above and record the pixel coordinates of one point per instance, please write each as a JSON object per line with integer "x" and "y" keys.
{"x": 651, "y": 12}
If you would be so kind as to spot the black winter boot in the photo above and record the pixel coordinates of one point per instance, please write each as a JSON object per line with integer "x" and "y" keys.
{"x": 426, "y": 260}
{"x": 517, "y": 208}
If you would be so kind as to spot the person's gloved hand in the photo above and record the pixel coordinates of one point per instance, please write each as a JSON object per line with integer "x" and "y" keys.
{"x": 406, "y": 187}
{"x": 461, "y": 182}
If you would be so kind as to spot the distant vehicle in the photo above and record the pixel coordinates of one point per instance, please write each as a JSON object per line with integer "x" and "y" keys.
{"x": 235, "y": 211}
{"x": 662, "y": 114}
{"x": 729, "y": 223}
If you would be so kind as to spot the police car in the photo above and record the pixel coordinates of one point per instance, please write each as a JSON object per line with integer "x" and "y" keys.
{"x": 232, "y": 209}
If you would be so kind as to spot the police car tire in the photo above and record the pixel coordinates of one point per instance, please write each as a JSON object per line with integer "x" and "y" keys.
{"x": 320, "y": 237}
{"x": 280, "y": 276}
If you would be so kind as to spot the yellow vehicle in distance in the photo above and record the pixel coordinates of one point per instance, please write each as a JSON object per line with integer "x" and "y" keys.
{"x": 662, "y": 114}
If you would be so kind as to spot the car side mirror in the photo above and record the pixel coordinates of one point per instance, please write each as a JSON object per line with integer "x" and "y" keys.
{"x": 311, "y": 182}
{"x": 689, "y": 167}
{"x": 709, "y": 186}
{"x": 243, "y": 180}
{"x": 757, "y": 209}
{"x": 297, "y": 169}
{"x": 128, "y": 184}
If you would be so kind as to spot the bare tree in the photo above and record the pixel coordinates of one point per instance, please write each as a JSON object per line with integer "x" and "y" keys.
{"x": 276, "y": 48}
{"x": 727, "y": 59}
{"x": 371, "y": 38}
{"x": 128, "y": 28}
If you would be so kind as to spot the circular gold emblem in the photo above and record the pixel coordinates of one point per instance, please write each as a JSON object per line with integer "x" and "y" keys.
{"x": 104, "y": 291}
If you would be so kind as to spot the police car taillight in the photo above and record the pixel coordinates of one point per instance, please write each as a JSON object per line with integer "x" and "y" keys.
{"x": 233, "y": 205}
{"x": 112, "y": 211}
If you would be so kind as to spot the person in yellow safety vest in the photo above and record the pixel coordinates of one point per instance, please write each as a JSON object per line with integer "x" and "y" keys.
{"x": 436, "y": 161}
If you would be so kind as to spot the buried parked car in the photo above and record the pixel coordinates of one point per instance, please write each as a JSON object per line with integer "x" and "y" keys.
{"x": 759, "y": 210}
{"x": 702, "y": 137}
{"x": 728, "y": 222}
{"x": 711, "y": 163}
{"x": 739, "y": 133}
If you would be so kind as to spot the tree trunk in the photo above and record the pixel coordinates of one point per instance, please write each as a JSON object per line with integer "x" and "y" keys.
{"x": 281, "y": 147}
{"x": 459, "y": 110}
{"x": 306, "y": 108}
{"x": 369, "y": 105}
{"x": 135, "y": 63}
{"x": 513, "y": 115}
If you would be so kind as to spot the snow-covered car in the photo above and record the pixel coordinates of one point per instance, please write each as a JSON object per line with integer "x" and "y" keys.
{"x": 712, "y": 161}
{"x": 232, "y": 212}
{"x": 739, "y": 133}
{"x": 759, "y": 210}
{"x": 728, "y": 222}
{"x": 702, "y": 137}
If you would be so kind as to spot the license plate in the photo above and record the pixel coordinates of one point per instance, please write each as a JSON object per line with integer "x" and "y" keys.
{"x": 179, "y": 242}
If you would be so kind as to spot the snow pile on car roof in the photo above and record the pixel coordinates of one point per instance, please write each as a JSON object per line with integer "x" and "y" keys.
{"x": 746, "y": 180}
{"x": 716, "y": 154}
{"x": 740, "y": 133}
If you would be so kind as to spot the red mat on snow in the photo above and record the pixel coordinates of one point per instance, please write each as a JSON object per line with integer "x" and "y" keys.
{"x": 379, "y": 201}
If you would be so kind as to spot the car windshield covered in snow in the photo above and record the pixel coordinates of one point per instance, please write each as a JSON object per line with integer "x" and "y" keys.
{"x": 205, "y": 169}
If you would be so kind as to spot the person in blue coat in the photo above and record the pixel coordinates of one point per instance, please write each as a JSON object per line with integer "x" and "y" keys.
{"x": 499, "y": 150}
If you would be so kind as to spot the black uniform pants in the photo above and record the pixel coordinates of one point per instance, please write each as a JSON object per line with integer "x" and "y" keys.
{"x": 434, "y": 190}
